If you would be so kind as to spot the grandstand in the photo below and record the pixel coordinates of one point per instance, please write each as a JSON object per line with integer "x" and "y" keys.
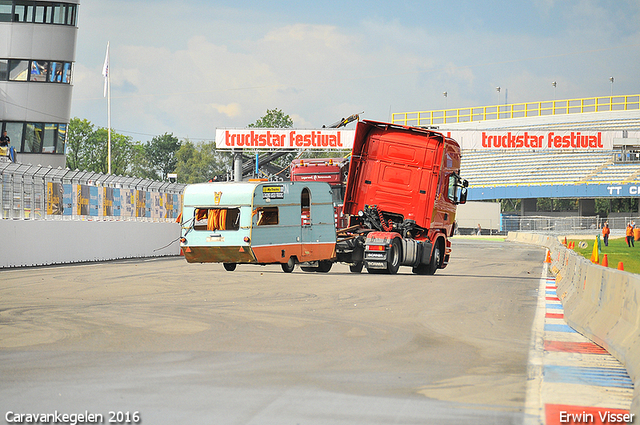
{"x": 521, "y": 172}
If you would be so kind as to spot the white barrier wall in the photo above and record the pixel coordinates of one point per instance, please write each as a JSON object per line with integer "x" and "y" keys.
{"x": 43, "y": 242}
{"x": 601, "y": 303}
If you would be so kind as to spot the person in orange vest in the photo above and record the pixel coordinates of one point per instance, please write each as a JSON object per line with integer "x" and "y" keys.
{"x": 605, "y": 233}
{"x": 630, "y": 235}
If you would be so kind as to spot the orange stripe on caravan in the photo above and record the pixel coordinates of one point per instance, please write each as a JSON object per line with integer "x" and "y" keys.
{"x": 280, "y": 253}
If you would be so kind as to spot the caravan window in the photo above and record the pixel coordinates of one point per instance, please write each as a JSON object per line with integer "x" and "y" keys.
{"x": 267, "y": 216}
{"x": 216, "y": 219}
{"x": 305, "y": 207}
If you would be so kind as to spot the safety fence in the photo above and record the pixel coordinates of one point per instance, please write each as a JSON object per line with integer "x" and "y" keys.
{"x": 567, "y": 225}
{"x": 33, "y": 192}
{"x": 518, "y": 110}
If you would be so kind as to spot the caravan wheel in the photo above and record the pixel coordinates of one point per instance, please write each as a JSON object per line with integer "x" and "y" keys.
{"x": 289, "y": 265}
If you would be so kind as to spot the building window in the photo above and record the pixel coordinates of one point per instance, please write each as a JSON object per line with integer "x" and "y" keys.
{"x": 38, "y": 71}
{"x": 62, "y": 138}
{"x": 33, "y": 138}
{"x": 58, "y": 14}
{"x": 14, "y": 131}
{"x": 49, "y": 139}
{"x": 71, "y": 14}
{"x": 38, "y": 12}
{"x": 66, "y": 73}
{"x": 18, "y": 70}
{"x": 5, "y": 11}
{"x": 23, "y": 11}
{"x": 36, "y": 137}
{"x": 56, "y": 72}
{"x": 4, "y": 69}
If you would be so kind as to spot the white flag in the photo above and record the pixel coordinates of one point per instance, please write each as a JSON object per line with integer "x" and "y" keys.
{"x": 105, "y": 71}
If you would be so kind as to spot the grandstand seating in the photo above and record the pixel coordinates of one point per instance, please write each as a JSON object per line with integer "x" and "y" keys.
{"x": 500, "y": 168}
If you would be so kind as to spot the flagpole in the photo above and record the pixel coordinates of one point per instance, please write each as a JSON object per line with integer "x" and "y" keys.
{"x": 109, "y": 113}
{"x": 107, "y": 93}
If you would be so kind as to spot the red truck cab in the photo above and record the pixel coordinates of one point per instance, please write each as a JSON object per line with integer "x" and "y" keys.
{"x": 403, "y": 187}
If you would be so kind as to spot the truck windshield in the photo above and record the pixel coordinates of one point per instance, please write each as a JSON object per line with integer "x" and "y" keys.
{"x": 216, "y": 219}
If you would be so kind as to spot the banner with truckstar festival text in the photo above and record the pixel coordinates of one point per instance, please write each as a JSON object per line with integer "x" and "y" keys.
{"x": 284, "y": 139}
{"x": 524, "y": 140}
{"x": 332, "y": 139}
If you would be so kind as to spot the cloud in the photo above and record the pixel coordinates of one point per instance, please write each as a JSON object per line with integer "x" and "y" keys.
{"x": 188, "y": 73}
{"x": 231, "y": 110}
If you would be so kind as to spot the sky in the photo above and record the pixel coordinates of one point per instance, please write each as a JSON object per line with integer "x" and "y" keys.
{"x": 188, "y": 67}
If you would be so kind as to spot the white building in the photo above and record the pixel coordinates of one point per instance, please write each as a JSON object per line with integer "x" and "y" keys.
{"x": 37, "y": 53}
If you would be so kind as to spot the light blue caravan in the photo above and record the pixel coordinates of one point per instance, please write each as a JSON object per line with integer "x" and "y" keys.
{"x": 259, "y": 222}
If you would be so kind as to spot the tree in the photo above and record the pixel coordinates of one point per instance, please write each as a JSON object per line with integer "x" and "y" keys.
{"x": 87, "y": 149}
{"x": 274, "y": 118}
{"x": 79, "y": 133}
{"x": 160, "y": 155}
{"x": 201, "y": 163}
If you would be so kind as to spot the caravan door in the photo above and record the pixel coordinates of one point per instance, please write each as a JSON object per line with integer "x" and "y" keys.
{"x": 317, "y": 230}
{"x": 306, "y": 230}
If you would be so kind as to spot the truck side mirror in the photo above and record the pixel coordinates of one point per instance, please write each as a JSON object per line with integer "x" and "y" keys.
{"x": 463, "y": 196}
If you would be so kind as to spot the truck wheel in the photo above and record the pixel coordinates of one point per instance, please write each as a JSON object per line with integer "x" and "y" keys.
{"x": 289, "y": 265}
{"x": 393, "y": 258}
{"x": 356, "y": 267}
{"x": 229, "y": 266}
{"x": 324, "y": 266}
{"x": 436, "y": 259}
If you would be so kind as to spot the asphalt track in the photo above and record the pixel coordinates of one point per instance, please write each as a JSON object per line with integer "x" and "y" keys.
{"x": 192, "y": 343}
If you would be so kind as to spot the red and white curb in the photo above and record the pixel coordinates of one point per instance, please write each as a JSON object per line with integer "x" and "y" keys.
{"x": 571, "y": 380}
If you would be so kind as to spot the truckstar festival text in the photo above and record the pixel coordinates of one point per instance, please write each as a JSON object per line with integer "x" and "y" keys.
{"x": 287, "y": 139}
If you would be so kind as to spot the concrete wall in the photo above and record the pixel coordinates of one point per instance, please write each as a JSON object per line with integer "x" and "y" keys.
{"x": 43, "y": 242}
{"x": 601, "y": 303}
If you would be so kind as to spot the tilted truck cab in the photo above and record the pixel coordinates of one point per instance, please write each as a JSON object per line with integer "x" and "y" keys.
{"x": 402, "y": 191}
{"x": 258, "y": 223}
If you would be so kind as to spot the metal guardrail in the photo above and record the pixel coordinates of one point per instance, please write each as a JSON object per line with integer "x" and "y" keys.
{"x": 518, "y": 110}
{"x": 32, "y": 192}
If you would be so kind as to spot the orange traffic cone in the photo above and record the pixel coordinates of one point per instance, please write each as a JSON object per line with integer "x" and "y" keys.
{"x": 620, "y": 266}
{"x": 605, "y": 261}
{"x": 565, "y": 241}
{"x": 548, "y": 259}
